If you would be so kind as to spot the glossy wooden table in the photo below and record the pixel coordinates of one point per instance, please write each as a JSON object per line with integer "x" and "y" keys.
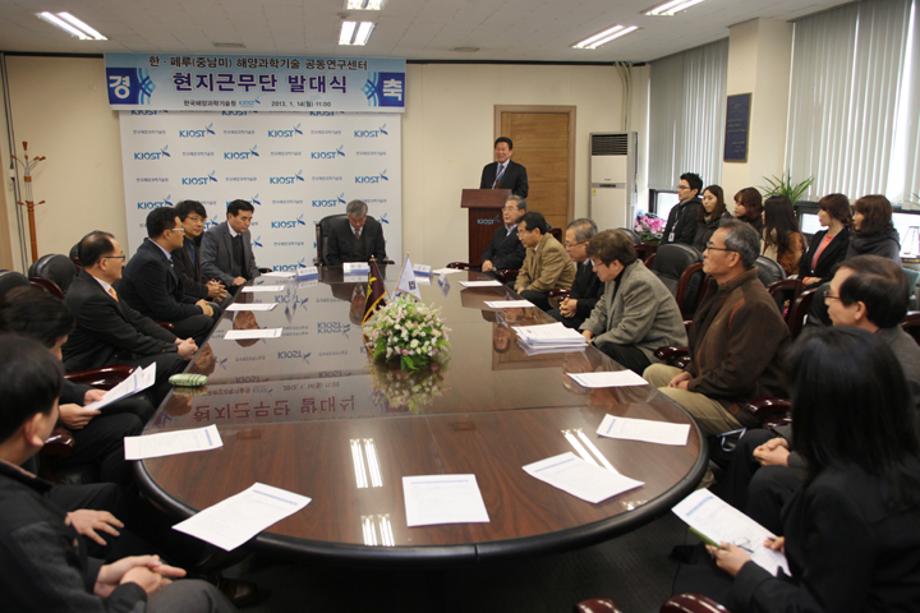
{"x": 307, "y": 412}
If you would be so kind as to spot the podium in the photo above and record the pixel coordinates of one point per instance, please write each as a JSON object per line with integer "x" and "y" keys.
{"x": 485, "y": 214}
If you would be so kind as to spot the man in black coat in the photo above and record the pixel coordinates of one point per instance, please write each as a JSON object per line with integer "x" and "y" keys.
{"x": 587, "y": 288}
{"x": 151, "y": 286}
{"x": 682, "y": 220}
{"x": 187, "y": 259}
{"x": 506, "y": 251}
{"x": 108, "y": 330}
{"x": 504, "y": 173}
{"x": 226, "y": 249}
{"x": 355, "y": 238}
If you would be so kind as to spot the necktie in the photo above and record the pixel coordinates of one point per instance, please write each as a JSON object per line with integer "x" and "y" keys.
{"x": 499, "y": 175}
{"x": 113, "y": 294}
{"x": 357, "y": 233}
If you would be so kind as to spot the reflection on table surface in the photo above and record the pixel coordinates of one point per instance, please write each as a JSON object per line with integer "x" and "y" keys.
{"x": 310, "y": 413}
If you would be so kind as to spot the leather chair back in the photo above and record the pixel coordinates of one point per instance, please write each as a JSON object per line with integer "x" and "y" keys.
{"x": 670, "y": 262}
{"x": 54, "y": 267}
{"x": 10, "y": 279}
{"x": 322, "y": 237}
{"x": 769, "y": 271}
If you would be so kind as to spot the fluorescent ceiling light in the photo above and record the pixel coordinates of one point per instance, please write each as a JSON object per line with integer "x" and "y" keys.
{"x": 353, "y": 33}
{"x": 364, "y": 5}
{"x": 672, "y": 7}
{"x": 602, "y": 38}
{"x": 70, "y": 24}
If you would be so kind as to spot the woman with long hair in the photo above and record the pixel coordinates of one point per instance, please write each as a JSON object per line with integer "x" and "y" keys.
{"x": 851, "y": 535}
{"x": 712, "y": 213}
{"x": 828, "y": 246}
{"x": 782, "y": 240}
{"x": 874, "y": 233}
{"x": 749, "y": 207}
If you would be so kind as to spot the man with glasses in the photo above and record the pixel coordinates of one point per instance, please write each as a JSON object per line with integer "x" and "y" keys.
{"x": 546, "y": 264}
{"x": 506, "y": 251}
{"x": 736, "y": 340}
{"x": 108, "y": 331}
{"x": 187, "y": 259}
{"x": 587, "y": 288}
{"x": 152, "y": 287}
{"x": 681, "y": 226}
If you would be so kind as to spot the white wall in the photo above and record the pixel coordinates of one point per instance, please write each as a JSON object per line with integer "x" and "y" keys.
{"x": 59, "y": 105}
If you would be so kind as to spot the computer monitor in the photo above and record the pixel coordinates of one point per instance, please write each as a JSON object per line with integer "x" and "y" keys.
{"x": 664, "y": 202}
{"x": 809, "y": 224}
{"x": 908, "y": 227}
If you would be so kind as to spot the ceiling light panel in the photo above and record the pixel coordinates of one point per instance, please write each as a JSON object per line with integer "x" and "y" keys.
{"x": 605, "y": 36}
{"x": 671, "y": 8}
{"x": 72, "y": 25}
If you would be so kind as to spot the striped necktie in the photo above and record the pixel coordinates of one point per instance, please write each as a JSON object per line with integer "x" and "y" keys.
{"x": 498, "y": 177}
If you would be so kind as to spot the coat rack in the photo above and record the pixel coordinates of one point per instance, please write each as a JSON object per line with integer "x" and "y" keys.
{"x": 27, "y": 165}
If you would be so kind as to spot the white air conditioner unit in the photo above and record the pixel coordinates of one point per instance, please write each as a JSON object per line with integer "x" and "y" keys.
{"x": 613, "y": 179}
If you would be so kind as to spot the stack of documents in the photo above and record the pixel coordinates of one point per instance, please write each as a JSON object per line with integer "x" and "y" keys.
{"x": 581, "y": 479}
{"x": 549, "y": 338}
{"x": 138, "y": 381}
{"x": 716, "y": 522}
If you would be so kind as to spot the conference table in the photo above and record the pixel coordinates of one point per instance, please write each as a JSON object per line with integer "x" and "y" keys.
{"x": 310, "y": 413}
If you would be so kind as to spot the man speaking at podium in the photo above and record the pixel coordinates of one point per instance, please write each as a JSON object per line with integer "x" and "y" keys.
{"x": 504, "y": 173}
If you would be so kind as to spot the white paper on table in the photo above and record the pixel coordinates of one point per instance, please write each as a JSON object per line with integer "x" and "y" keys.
{"x": 139, "y": 380}
{"x": 443, "y": 499}
{"x": 280, "y": 274}
{"x": 234, "y": 520}
{"x": 549, "y": 334}
{"x": 510, "y": 304}
{"x": 446, "y": 271}
{"x": 489, "y": 283}
{"x": 422, "y": 270}
{"x": 251, "y": 306}
{"x": 355, "y": 268}
{"x": 581, "y": 479}
{"x": 531, "y": 350}
{"x": 716, "y": 521}
{"x": 646, "y": 430}
{"x": 614, "y": 378}
{"x": 253, "y": 289}
{"x": 172, "y": 443}
{"x": 241, "y": 335}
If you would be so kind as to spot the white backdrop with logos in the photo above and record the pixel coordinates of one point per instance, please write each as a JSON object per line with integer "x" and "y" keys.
{"x": 295, "y": 168}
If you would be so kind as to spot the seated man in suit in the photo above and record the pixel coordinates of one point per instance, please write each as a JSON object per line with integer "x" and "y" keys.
{"x": 682, "y": 220}
{"x": 151, "y": 286}
{"x": 504, "y": 173}
{"x": 187, "y": 259}
{"x": 636, "y": 314}
{"x": 226, "y": 249}
{"x": 109, "y": 331}
{"x": 587, "y": 288}
{"x": 546, "y": 264}
{"x": 736, "y": 341}
{"x": 355, "y": 238}
{"x": 44, "y": 562}
{"x": 506, "y": 250}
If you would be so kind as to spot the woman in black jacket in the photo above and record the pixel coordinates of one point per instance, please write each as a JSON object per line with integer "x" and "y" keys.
{"x": 828, "y": 247}
{"x": 874, "y": 233}
{"x": 749, "y": 208}
{"x": 711, "y": 215}
{"x": 851, "y": 533}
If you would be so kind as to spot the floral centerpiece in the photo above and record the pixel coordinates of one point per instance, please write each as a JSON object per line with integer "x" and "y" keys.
{"x": 649, "y": 227}
{"x": 407, "y": 332}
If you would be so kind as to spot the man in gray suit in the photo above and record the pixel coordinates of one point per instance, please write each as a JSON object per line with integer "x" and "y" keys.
{"x": 636, "y": 314}
{"x": 226, "y": 249}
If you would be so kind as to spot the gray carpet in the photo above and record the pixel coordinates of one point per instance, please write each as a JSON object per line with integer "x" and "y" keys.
{"x": 633, "y": 569}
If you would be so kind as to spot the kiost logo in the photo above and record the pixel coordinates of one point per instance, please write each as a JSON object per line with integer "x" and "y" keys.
{"x": 234, "y": 113}
{"x": 328, "y": 155}
{"x": 257, "y": 241}
{"x": 145, "y": 156}
{"x": 253, "y": 102}
{"x": 208, "y": 130}
{"x": 295, "y": 354}
{"x": 384, "y": 218}
{"x": 144, "y": 205}
{"x": 289, "y": 133}
{"x": 290, "y": 267}
{"x": 287, "y": 224}
{"x": 329, "y": 203}
{"x": 381, "y": 131}
{"x": 242, "y": 155}
{"x": 286, "y": 179}
{"x": 372, "y": 178}
{"x": 202, "y": 180}
{"x": 146, "y": 112}
{"x": 333, "y": 327}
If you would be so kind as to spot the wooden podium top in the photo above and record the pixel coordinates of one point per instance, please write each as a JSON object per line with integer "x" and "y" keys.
{"x": 484, "y": 198}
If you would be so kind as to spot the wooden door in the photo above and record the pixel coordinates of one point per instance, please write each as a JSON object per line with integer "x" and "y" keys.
{"x": 544, "y": 142}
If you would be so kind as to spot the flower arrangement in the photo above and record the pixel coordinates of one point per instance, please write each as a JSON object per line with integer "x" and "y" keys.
{"x": 407, "y": 332}
{"x": 397, "y": 390}
{"x": 649, "y": 227}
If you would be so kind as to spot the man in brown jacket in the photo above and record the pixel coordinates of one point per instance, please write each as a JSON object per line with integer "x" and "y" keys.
{"x": 546, "y": 265}
{"x": 736, "y": 341}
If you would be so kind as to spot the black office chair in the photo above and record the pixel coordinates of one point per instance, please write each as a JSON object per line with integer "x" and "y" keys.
{"x": 55, "y": 268}
{"x": 671, "y": 261}
{"x": 10, "y": 279}
{"x": 322, "y": 237}
{"x": 769, "y": 271}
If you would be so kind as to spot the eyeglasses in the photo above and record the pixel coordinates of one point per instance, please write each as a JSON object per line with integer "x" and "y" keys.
{"x": 680, "y": 187}
{"x": 711, "y": 247}
{"x": 568, "y": 244}
{"x": 114, "y": 257}
{"x": 178, "y": 229}
{"x": 829, "y": 296}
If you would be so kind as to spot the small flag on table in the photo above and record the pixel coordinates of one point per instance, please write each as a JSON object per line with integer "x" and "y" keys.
{"x": 376, "y": 292}
{"x": 407, "y": 281}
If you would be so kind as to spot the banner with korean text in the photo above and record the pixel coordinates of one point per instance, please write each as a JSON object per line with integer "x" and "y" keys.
{"x": 168, "y": 82}
{"x": 294, "y": 168}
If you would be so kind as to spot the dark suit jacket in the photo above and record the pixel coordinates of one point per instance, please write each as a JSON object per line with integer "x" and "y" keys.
{"x": 187, "y": 264}
{"x": 151, "y": 286}
{"x": 682, "y": 221}
{"x": 846, "y": 549}
{"x": 217, "y": 255}
{"x": 344, "y": 247}
{"x": 515, "y": 178}
{"x": 835, "y": 253}
{"x": 587, "y": 289}
{"x": 505, "y": 250}
{"x": 108, "y": 331}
